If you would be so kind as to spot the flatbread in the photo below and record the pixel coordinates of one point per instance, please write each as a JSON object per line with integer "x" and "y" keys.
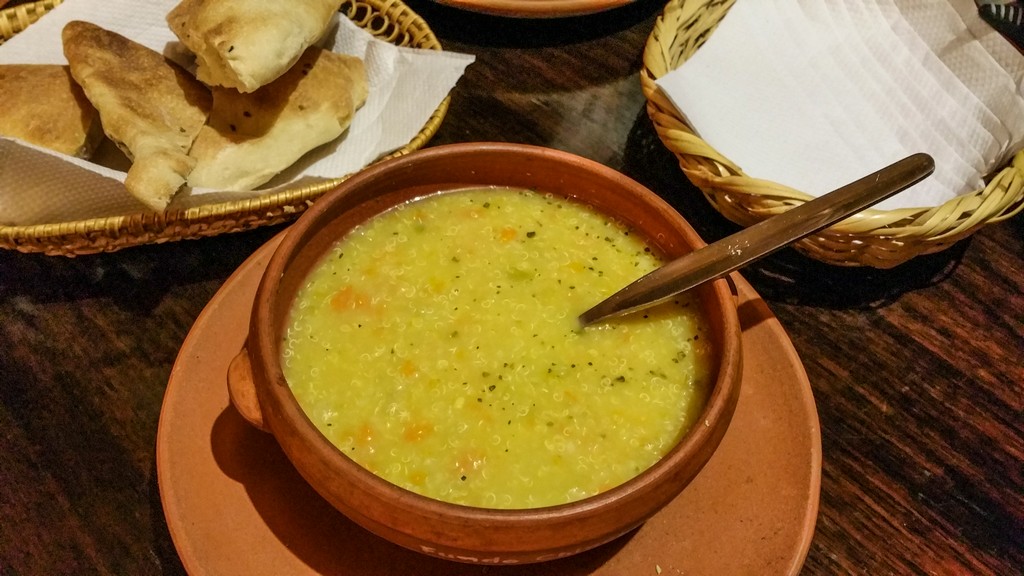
{"x": 246, "y": 44}
{"x": 41, "y": 104}
{"x": 252, "y": 137}
{"x": 149, "y": 106}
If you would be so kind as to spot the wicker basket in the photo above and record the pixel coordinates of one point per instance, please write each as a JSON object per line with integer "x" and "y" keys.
{"x": 389, "y": 20}
{"x": 877, "y": 238}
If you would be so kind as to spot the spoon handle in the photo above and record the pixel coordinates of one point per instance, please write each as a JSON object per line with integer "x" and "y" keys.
{"x": 732, "y": 252}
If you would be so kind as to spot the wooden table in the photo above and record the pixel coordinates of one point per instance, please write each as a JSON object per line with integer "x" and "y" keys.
{"x": 917, "y": 371}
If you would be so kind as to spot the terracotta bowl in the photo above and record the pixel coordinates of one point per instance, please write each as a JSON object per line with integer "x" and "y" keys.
{"x": 477, "y": 535}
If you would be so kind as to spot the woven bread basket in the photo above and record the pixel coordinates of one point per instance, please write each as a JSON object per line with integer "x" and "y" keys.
{"x": 876, "y": 238}
{"x": 389, "y": 20}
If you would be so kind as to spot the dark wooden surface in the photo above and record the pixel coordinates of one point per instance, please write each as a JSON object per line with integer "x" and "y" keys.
{"x": 917, "y": 371}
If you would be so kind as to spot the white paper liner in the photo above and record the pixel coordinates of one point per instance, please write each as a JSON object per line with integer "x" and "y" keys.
{"x": 813, "y": 94}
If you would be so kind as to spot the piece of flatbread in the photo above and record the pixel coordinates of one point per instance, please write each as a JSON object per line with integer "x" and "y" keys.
{"x": 246, "y": 44}
{"x": 149, "y": 106}
{"x": 252, "y": 137}
{"x": 41, "y": 104}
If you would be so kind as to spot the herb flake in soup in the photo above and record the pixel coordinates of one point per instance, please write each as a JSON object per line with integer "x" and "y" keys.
{"x": 438, "y": 346}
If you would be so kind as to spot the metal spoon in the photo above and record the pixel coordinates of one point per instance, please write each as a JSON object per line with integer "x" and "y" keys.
{"x": 722, "y": 257}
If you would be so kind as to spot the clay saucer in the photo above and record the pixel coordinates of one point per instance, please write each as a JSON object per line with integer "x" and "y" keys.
{"x": 235, "y": 505}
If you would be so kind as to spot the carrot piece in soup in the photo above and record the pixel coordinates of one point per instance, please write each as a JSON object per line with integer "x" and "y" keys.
{"x": 418, "y": 477}
{"x": 408, "y": 368}
{"x": 417, "y": 432}
{"x": 348, "y": 298}
{"x": 469, "y": 461}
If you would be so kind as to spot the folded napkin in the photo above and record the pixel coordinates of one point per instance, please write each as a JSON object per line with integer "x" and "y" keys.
{"x": 814, "y": 94}
{"x": 38, "y": 186}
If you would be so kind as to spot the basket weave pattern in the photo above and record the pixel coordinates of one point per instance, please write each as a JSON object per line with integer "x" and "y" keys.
{"x": 877, "y": 238}
{"x": 389, "y": 20}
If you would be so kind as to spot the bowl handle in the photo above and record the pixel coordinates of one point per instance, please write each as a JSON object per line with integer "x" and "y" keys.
{"x": 242, "y": 390}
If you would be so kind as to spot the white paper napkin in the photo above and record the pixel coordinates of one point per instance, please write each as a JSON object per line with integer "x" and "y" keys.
{"x": 37, "y": 186}
{"x": 816, "y": 93}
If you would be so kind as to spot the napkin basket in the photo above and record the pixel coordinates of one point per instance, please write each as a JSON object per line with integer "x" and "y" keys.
{"x": 876, "y": 238}
{"x": 389, "y": 20}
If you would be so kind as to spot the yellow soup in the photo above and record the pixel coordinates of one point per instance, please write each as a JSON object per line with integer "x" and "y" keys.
{"x": 438, "y": 346}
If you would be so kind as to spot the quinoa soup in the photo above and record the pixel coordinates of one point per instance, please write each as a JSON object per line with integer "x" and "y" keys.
{"x": 438, "y": 346}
